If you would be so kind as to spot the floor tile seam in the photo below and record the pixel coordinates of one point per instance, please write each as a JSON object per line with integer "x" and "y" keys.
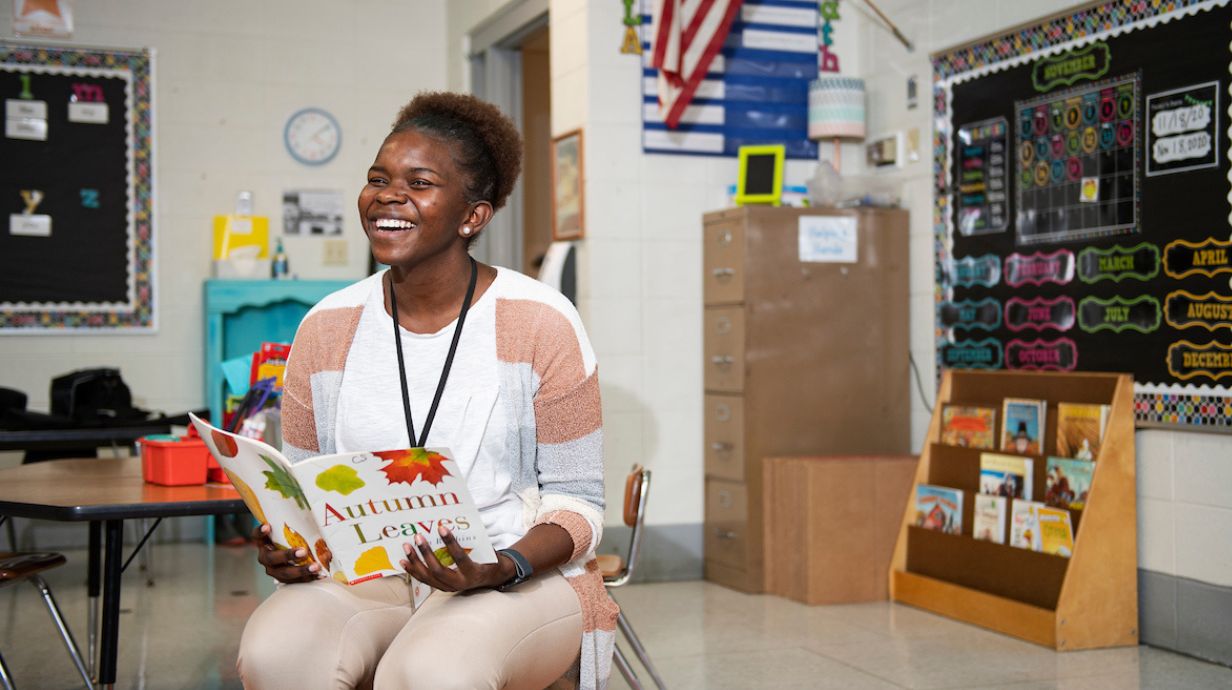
{"x": 866, "y": 672}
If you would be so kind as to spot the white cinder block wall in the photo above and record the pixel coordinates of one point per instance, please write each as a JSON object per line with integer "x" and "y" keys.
{"x": 227, "y": 75}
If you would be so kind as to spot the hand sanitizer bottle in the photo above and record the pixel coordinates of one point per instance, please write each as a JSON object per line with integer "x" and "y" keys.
{"x": 279, "y": 268}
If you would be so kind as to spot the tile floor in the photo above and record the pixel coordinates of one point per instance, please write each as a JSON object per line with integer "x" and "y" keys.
{"x": 183, "y": 633}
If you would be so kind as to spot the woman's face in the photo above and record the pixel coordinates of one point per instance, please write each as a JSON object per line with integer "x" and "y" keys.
{"x": 414, "y": 205}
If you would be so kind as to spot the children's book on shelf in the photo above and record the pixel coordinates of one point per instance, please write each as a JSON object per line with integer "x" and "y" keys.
{"x": 969, "y": 426}
{"x": 938, "y": 508}
{"x": 1080, "y": 429}
{"x": 1006, "y": 475}
{"x": 352, "y": 512}
{"x": 1056, "y": 531}
{"x": 1024, "y": 524}
{"x": 1068, "y": 482}
{"x": 1022, "y": 425}
{"x": 989, "y": 521}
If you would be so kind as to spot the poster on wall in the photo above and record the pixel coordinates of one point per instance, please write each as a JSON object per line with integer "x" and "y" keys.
{"x": 1115, "y": 253}
{"x": 77, "y": 252}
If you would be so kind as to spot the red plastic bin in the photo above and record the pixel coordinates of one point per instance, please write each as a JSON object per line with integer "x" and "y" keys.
{"x": 174, "y": 463}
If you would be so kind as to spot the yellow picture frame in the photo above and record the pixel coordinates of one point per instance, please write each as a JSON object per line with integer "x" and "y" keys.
{"x": 751, "y": 185}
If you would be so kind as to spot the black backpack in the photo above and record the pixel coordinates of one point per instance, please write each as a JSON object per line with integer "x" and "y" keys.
{"x": 94, "y": 396}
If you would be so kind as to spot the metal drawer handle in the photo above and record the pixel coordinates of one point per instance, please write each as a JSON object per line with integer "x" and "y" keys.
{"x": 723, "y": 360}
{"x": 726, "y": 237}
{"x": 721, "y": 446}
{"x": 724, "y": 272}
{"x": 724, "y": 533}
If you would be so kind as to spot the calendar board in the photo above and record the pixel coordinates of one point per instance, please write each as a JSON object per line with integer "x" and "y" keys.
{"x": 77, "y": 238}
{"x": 1082, "y": 183}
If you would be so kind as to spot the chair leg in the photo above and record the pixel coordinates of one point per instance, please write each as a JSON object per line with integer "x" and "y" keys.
{"x": 625, "y": 627}
{"x": 625, "y": 669}
{"x": 65, "y": 633}
{"x": 6, "y": 681}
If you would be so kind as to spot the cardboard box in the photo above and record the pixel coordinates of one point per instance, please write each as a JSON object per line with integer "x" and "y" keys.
{"x": 831, "y": 525}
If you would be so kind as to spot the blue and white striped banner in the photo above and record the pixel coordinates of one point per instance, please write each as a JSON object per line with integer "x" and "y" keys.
{"x": 756, "y": 91}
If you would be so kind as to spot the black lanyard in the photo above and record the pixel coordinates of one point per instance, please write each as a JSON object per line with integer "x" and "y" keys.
{"x": 453, "y": 348}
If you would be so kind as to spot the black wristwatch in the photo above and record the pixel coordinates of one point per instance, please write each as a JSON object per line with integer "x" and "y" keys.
{"x": 522, "y": 570}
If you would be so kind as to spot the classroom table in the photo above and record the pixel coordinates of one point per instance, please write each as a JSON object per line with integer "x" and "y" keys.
{"x": 105, "y": 492}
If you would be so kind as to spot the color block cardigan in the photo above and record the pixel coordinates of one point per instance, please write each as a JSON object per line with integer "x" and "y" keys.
{"x": 550, "y": 387}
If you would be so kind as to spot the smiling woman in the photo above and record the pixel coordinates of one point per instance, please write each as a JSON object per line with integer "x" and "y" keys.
{"x": 520, "y": 413}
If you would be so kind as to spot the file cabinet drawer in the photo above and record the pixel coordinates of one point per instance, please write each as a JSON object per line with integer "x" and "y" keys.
{"x": 723, "y": 252}
{"x": 723, "y": 347}
{"x": 727, "y": 520}
{"x": 724, "y": 437}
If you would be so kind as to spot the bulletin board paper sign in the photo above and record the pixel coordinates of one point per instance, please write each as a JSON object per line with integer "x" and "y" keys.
{"x": 43, "y": 18}
{"x": 88, "y": 113}
{"x": 15, "y": 108}
{"x": 25, "y": 225}
{"x": 828, "y": 239}
{"x": 28, "y": 128}
{"x": 1183, "y": 129}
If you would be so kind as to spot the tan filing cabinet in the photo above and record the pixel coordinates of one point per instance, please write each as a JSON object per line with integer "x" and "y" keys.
{"x": 801, "y": 358}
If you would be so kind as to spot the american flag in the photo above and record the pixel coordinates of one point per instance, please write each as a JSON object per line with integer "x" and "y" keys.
{"x": 688, "y": 36}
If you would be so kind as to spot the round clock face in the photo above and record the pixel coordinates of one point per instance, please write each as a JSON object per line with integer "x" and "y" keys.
{"x": 312, "y": 136}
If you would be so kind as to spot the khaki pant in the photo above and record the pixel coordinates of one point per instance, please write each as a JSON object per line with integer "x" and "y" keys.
{"x": 326, "y": 635}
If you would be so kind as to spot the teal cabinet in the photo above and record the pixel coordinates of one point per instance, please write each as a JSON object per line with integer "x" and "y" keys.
{"x": 242, "y": 314}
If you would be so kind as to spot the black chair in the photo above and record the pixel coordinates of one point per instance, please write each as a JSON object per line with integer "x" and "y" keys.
{"x": 15, "y": 567}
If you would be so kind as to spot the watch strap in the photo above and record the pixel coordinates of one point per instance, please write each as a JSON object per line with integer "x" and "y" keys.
{"x": 522, "y": 569}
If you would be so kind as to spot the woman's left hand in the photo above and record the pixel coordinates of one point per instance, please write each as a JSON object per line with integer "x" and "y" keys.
{"x": 466, "y": 574}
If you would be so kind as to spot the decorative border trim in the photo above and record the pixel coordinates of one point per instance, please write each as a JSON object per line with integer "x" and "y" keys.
{"x": 139, "y": 313}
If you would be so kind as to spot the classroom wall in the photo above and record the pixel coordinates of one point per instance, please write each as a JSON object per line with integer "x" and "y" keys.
{"x": 227, "y": 75}
{"x": 1184, "y": 508}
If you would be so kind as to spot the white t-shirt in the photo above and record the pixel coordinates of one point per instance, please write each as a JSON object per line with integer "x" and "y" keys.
{"x": 468, "y": 421}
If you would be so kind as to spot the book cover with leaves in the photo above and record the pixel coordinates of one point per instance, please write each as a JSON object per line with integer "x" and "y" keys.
{"x": 1056, "y": 531}
{"x": 968, "y": 426}
{"x": 1024, "y": 524}
{"x": 1068, "y": 482}
{"x": 1006, "y": 475}
{"x": 988, "y": 522}
{"x": 352, "y": 512}
{"x": 1022, "y": 428}
{"x": 1080, "y": 429}
{"x": 938, "y": 508}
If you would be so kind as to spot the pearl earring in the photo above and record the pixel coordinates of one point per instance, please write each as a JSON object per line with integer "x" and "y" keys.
{"x": 466, "y": 229}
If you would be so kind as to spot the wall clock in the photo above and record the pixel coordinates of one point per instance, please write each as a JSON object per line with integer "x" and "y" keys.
{"x": 312, "y": 136}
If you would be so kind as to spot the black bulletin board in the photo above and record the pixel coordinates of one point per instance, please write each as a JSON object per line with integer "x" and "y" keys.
{"x": 76, "y": 249}
{"x": 1083, "y": 185}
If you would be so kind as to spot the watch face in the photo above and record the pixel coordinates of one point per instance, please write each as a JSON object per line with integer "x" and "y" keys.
{"x": 312, "y": 136}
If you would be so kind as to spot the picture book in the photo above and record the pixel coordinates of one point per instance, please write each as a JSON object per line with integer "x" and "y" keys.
{"x": 969, "y": 427}
{"x": 1080, "y": 429}
{"x": 1068, "y": 482}
{"x": 352, "y": 512}
{"x": 1055, "y": 530}
{"x": 1022, "y": 429}
{"x": 938, "y": 508}
{"x": 1024, "y": 524}
{"x": 1006, "y": 475}
{"x": 989, "y": 521}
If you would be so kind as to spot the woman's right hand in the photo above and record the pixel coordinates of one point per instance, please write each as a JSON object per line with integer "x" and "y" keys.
{"x": 280, "y": 563}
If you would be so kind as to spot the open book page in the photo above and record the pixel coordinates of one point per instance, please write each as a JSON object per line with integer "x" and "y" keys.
{"x": 354, "y": 511}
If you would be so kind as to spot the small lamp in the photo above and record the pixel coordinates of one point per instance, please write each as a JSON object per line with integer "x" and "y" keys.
{"x": 836, "y": 111}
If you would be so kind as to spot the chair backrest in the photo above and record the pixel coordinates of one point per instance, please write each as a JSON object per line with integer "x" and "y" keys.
{"x": 637, "y": 488}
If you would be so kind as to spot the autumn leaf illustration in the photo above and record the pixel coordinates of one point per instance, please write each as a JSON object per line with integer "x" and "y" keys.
{"x": 405, "y": 466}
{"x": 281, "y": 481}
{"x": 296, "y": 541}
{"x": 341, "y": 479}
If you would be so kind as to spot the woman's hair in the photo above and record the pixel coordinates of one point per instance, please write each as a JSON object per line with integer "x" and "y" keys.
{"x": 489, "y": 145}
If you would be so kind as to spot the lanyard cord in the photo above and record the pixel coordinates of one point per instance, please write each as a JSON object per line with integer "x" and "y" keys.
{"x": 453, "y": 348}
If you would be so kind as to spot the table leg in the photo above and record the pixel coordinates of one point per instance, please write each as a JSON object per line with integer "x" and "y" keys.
{"x": 92, "y": 588}
{"x": 113, "y": 561}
